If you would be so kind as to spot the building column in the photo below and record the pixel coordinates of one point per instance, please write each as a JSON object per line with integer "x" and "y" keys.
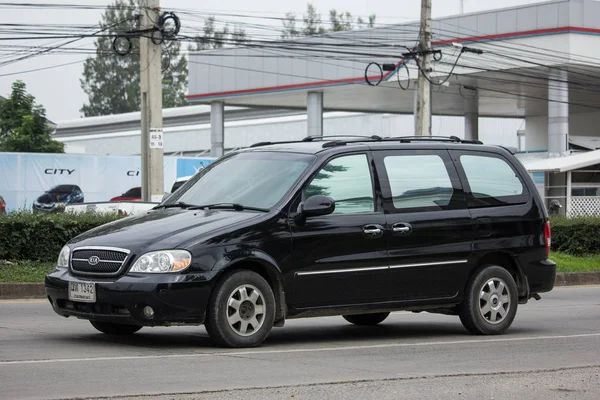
{"x": 472, "y": 117}
{"x": 217, "y": 128}
{"x": 314, "y": 113}
{"x": 558, "y": 112}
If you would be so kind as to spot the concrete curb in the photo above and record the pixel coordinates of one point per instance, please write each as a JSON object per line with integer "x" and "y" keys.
{"x": 577, "y": 278}
{"x": 22, "y": 291}
{"x": 11, "y": 291}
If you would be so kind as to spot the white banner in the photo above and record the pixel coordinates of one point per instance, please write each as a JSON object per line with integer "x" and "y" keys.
{"x": 50, "y": 179}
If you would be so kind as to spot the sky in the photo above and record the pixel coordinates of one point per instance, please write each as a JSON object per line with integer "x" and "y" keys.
{"x": 59, "y": 89}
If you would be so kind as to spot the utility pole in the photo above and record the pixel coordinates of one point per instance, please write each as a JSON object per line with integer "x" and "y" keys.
{"x": 151, "y": 105}
{"x": 423, "y": 106}
{"x": 462, "y": 6}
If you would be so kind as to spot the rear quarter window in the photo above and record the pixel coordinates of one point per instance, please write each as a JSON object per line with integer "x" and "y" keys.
{"x": 492, "y": 181}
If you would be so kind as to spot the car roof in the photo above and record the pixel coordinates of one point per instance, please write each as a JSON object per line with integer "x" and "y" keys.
{"x": 183, "y": 178}
{"x": 316, "y": 145}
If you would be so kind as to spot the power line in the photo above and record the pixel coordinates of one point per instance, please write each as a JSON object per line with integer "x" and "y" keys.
{"x": 42, "y": 68}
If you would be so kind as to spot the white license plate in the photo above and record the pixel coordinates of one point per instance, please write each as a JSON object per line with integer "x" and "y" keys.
{"x": 84, "y": 292}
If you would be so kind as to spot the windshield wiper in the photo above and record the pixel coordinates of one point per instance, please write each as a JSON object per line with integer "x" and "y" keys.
{"x": 179, "y": 204}
{"x": 229, "y": 206}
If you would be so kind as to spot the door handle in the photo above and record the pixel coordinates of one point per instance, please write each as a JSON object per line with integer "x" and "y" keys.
{"x": 402, "y": 229}
{"x": 373, "y": 231}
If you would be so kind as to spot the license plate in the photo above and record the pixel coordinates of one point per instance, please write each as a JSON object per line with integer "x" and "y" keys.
{"x": 84, "y": 292}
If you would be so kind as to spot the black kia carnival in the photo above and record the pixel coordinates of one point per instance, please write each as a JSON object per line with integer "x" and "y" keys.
{"x": 357, "y": 227}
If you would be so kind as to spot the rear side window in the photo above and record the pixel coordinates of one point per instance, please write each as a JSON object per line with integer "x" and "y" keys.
{"x": 418, "y": 181}
{"x": 492, "y": 180}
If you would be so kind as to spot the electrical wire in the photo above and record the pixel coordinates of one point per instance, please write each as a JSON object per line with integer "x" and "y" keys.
{"x": 42, "y": 68}
{"x": 309, "y": 48}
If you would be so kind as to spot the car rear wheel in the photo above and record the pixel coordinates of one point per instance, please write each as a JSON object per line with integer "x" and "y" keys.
{"x": 115, "y": 329}
{"x": 490, "y": 302}
{"x": 366, "y": 319}
{"x": 241, "y": 311}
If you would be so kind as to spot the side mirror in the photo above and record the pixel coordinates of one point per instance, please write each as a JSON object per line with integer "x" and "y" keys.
{"x": 316, "y": 206}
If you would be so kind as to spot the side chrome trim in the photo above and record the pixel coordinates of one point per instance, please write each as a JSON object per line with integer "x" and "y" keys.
{"x": 101, "y": 248}
{"x": 106, "y": 261}
{"x": 367, "y": 269}
{"x": 430, "y": 264}
{"x": 340, "y": 271}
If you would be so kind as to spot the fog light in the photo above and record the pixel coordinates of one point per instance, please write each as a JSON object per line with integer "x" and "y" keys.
{"x": 148, "y": 312}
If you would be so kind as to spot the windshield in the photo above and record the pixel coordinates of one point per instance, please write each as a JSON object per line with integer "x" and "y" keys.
{"x": 254, "y": 179}
{"x": 134, "y": 192}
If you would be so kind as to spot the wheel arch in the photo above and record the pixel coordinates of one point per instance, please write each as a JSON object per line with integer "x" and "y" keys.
{"x": 508, "y": 262}
{"x": 266, "y": 267}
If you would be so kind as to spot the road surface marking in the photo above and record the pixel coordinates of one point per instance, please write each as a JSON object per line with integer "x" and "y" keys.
{"x": 308, "y": 350}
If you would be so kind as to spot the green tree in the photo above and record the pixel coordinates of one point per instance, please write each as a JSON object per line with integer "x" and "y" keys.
{"x": 313, "y": 26}
{"x": 213, "y": 38}
{"x": 23, "y": 124}
{"x": 312, "y": 22}
{"x": 112, "y": 82}
{"x": 289, "y": 27}
{"x": 370, "y": 23}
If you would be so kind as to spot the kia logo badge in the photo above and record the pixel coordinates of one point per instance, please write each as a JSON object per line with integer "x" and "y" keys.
{"x": 93, "y": 260}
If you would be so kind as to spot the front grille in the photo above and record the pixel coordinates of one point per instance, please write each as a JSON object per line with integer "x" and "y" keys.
{"x": 98, "y": 261}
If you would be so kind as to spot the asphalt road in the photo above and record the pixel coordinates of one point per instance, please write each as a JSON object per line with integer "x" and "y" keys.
{"x": 551, "y": 351}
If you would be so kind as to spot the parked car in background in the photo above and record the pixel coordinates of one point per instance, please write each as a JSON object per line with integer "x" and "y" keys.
{"x": 57, "y": 198}
{"x": 2, "y": 205}
{"x": 179, "y": 182}
{"x": 133, "y": 194}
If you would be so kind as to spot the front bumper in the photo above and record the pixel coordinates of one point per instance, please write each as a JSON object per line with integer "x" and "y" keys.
{"x": 175, "y": 298}
{"x": 55, "y": 207}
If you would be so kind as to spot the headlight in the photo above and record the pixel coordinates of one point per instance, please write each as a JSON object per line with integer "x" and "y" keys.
{"x": 63, "y": 258}
{"x": 163, "y": 261}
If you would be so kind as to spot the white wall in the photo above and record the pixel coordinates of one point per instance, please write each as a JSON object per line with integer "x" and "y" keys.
{"x": 583, "y": 124}
{"x": 536, "y": 137}
{"x": 245, "y": 133}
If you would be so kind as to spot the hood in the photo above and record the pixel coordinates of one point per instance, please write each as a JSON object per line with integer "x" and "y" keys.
{"x": 161, "y": 229}
{"x": 49, "y": 198}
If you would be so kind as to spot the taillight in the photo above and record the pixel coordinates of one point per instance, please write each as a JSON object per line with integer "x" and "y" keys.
{"x": 547, "y": 237}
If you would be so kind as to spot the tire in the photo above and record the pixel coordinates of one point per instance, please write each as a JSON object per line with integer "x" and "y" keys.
{"x": 115, "y": 329}
{"x": 489, "y": 308}
{"x": 366, "y": 319}
{"x": 234, "y": 317}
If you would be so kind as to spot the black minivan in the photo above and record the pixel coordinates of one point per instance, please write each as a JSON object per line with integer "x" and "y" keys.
{"x": 357, "y": 227}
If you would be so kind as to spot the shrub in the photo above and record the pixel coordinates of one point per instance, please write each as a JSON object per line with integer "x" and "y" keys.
{"x": 576, "y": 236}
{"x": 36, "y": 236}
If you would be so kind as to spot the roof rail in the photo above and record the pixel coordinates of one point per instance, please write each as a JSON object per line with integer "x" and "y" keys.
{"x": 315, "y": 138}
{"x": 373, "y": 138}
{"x": 453, "y": 139}
{"x": 323, "y": 138}
{"x": 259, "y": 144}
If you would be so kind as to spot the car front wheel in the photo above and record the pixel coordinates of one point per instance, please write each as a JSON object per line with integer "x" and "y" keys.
{"x": 241, "y": 311}
{"x": 490, "y": 302}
